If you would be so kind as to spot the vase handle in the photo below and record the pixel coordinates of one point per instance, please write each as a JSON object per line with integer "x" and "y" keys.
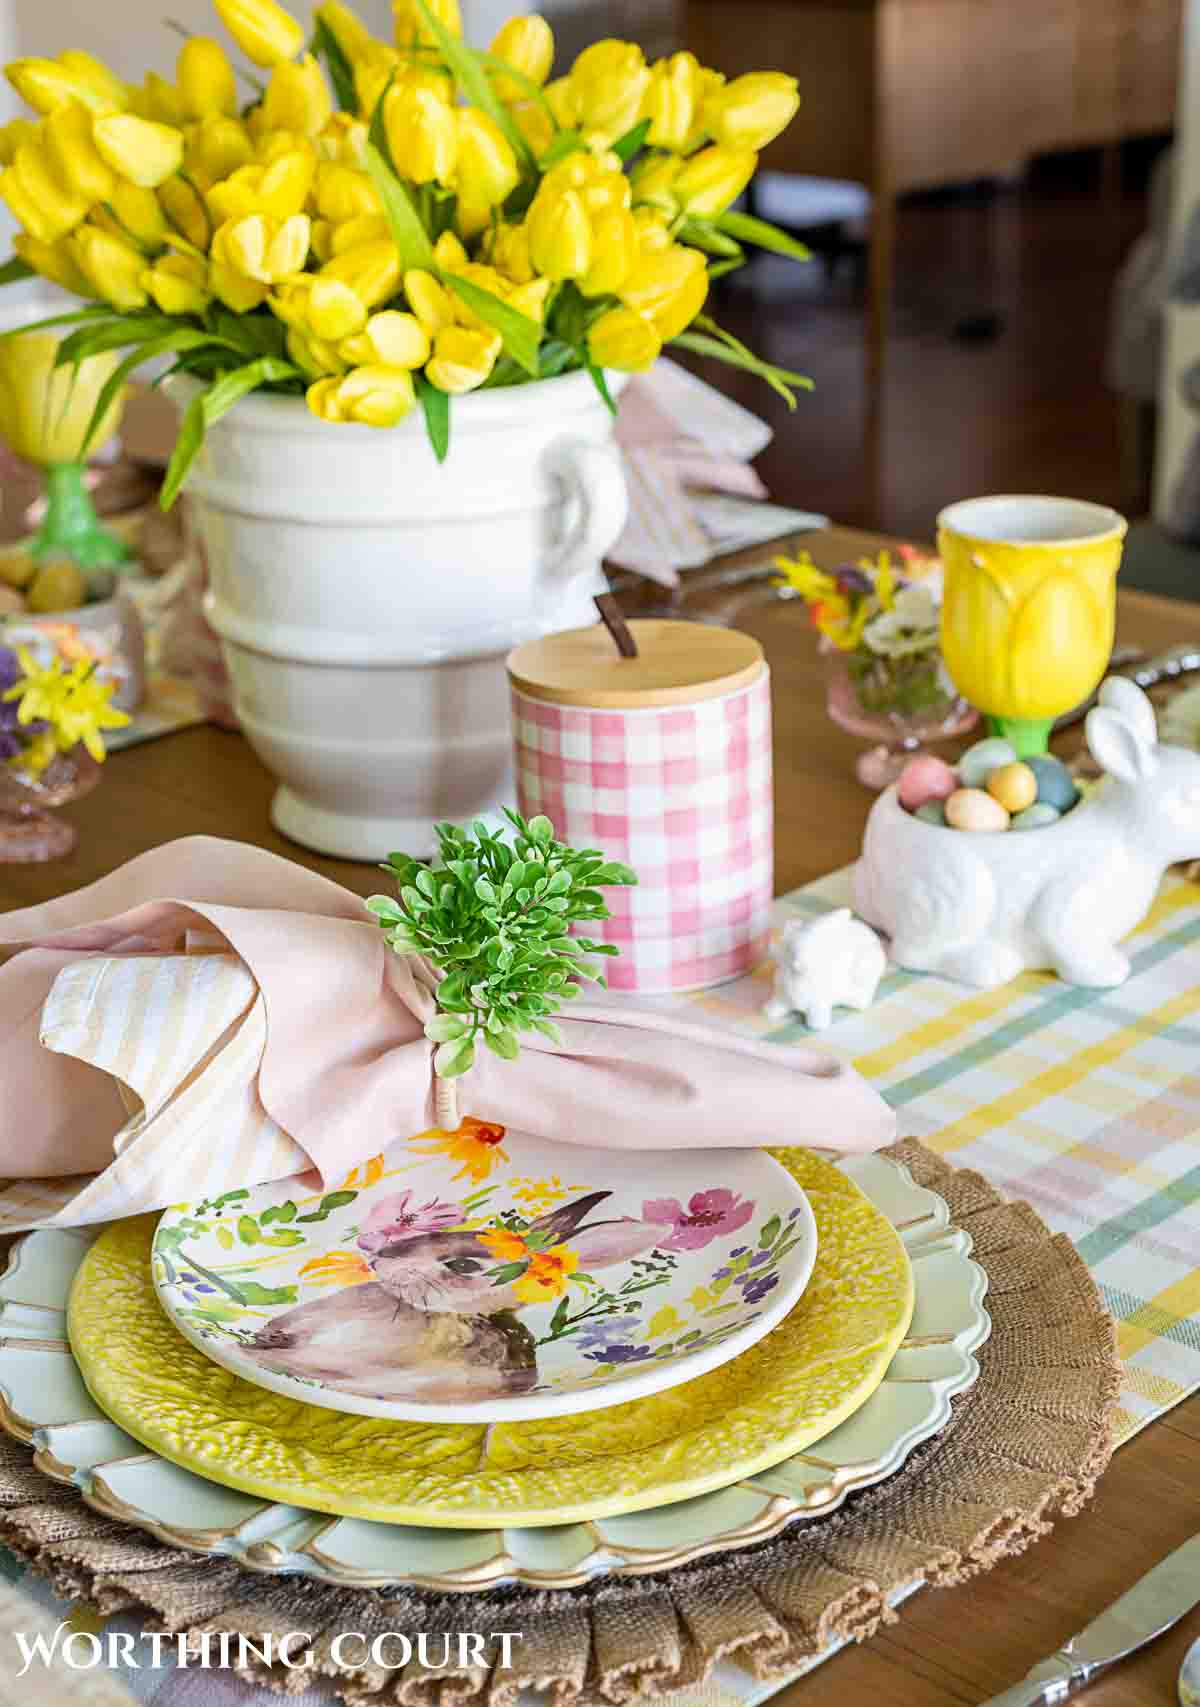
{"x": 595, "y": 487}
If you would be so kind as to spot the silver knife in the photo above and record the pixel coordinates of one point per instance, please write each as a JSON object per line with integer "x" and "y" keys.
{"x": 1161, "y": 1599}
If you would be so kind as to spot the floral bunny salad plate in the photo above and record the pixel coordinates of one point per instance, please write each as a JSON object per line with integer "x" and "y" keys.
{"x": 485, "y": 1275}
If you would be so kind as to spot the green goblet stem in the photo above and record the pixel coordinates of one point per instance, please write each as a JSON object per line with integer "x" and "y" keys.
{"x": 71, "y": 527}
{"x": 1029, "y": 736}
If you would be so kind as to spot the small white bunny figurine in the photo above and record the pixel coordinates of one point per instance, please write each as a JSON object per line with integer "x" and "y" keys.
{"x": 822, "y": 963}
{"x": 985, "y": 906}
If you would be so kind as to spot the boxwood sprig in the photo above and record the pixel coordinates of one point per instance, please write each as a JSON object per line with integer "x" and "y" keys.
{"x": 494, "y": 914}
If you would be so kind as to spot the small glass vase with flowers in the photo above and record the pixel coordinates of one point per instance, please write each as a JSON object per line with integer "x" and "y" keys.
{"x": 879, "y": 627}
{"x": 51, "y": 748}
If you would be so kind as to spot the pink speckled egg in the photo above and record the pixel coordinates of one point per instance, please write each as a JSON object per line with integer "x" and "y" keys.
{"x": 925, "y": 778}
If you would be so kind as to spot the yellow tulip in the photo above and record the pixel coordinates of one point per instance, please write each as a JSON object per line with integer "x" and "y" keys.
{"x": 653, "y": 182}
{"x": 343, "y": 192}
{"x": 487, "y": 166}
{"x": 332, "y": 311}
{"x": 184, "y": 207}
{"x": 279, "y": 190}
{"x": 374, "y": 395}
{"x": 44, "y": 207}
{"x": 205, "y": 80}
{"x": 344, "y": 140}
{"x": 263, "y": 248}
{"x": 449, "y": 253}
{"x": 653, "y": 229}
{"x": 351, "y": 35}
{"x": 672, "y": 100}
{"x": 668, "y": 288}
{"x": 411, "y": 30}
{"x": 263, "y": 30}
{"x": 46, "y": 84}
{"x": 352, "y": 233}
{"x": 422, "y": 134}
{"x": 393, "y": 338}
{"x": 138, "y": 149}
{"x": 752, "y": 110}
{"x": 215, "y": 149}
{"x": 615, "y": 253}
{"x": 623, "y": 339}
{"x": 714, "y": 178}
{"x": 561, "y": 99}
{"x": 178, "y": 284}
{"x": 92, "y": 71}
{"x": 112, "y": 265}
{"x": 487, "y": 278}
{"x": 377, "y": 68}
{"x": 73, "y": 156}
{"x": 508, "y": 252}
{"x": 531, "y": 299}
{"x": 13, "y": 134}
{"x": 598, "y": 178}
{"x": 372, "y": 270}
{"x": 1027, "y": 629}
{"x": 560, "y": 235}
{"x": 534, "y": 124}
{"x": 462, "y": 359}
{"x": 233, "y": 288}
{"x": 527, "y": 44}
{"x": 711, "y": 84}
{"x": 314, "y": 357}
{"x": 428, "y": 301}
{"x": 609, "y": 82}
{"x": 54, "y": 261}
{"x": 44, "y": 410}
{"x": 159, "y": 100}
{"x": 321, "y": 240}
{"x": 139, "y": 214}
{"x": 297, "y": 98}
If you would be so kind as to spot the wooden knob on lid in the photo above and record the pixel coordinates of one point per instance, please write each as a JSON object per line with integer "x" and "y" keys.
{"x": 677, "y": 663}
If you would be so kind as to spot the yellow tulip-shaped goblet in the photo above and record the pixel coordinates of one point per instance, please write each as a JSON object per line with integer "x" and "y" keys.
{"x": 1029, "y": 607}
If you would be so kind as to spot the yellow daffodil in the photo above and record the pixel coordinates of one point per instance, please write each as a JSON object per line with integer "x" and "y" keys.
{"x": 623, "y": 339}
{"x": 547, "y": 1275}
{"x": 672, "y": 100}
{"x": 138, "y": 149}
{"x": 112, "y": 266}
{"x": 73, "y": 702}
{"x": 476, "y": 1144}
{"x": 297, "y": 98}
{"x": 751, "y": 111}
{"x": 505, "y": 1244}
{"x": 713, "y": 179}
{"x": 178, "y": 284}
{"x": 527, "y": 44}
{"x": 462, "y": 359}
{"x": 560, "y": 235}
{"x": 422, "y": 134}
{"x": 262, "y": 29}
{"x": 205, "y": 80}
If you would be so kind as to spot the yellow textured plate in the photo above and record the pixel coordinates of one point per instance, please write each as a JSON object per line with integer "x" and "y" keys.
{"x": 796, "y": 1385}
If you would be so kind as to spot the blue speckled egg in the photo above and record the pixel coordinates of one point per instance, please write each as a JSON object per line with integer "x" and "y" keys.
{"x": 979, "y": 761}
{"x": 1055, "y": 784}
{"x": 1036, "y": 817}
{"x": 932, "y": 812}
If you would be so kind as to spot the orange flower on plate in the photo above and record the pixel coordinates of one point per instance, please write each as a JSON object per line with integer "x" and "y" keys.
{"x": 504, "y": 1244}
{"x": 475, "y": 1143}
{"x": 366, "y": 1174}
{"x": 547, "y": 1275}
{"x": 336, "y": 1268}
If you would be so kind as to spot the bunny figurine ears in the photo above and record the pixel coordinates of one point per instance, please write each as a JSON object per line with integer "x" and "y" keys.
{"x": 1122, "y": 733}
{"x": 252, "y": 1017}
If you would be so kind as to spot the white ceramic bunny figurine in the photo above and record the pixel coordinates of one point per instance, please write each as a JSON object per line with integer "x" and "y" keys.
{"x": 822, "y": 963}
{"x": 983, "y": 906}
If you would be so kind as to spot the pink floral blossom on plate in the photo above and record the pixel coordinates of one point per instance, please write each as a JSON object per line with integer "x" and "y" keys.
{"x": 397, "y": 1217}
{"x": 709, "y": 1215}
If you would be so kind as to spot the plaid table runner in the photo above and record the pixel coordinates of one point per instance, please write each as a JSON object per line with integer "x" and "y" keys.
{"x": 1084, "y": 1102}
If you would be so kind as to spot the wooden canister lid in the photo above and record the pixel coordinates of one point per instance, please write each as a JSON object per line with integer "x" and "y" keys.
{"x": 678, "y": 663}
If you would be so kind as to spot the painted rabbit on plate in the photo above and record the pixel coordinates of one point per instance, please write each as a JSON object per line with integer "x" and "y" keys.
{"x": 433, "y": 1322}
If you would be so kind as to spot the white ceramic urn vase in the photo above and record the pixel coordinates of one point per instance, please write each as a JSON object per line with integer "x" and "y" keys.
{"x": 366, "y": 595}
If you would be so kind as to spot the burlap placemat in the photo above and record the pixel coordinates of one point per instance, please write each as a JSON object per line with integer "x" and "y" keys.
{"x": 1025, "y": 1446}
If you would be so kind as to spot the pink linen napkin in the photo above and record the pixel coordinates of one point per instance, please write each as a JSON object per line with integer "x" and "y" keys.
{"x": 339, "y": 1066}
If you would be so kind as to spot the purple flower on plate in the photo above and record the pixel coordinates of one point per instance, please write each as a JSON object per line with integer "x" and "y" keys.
{"x": 759, "y": 1257}
{"x": 396, "y": 1217}
{"x": 604, "y": 1331}
{"x": 622, "y": 1354}
{"x": 758, "y": 1287}
{"x": 709, "y": 1215}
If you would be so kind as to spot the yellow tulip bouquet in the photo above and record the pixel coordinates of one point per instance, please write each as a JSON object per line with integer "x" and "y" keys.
{"x": 457, "y": 221}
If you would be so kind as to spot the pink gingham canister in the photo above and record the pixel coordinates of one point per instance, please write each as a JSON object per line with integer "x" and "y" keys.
{"x": 662, "y": 760}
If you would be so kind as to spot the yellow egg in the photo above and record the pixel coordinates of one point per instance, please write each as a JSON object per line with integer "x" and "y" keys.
{"x": 16, "y": 566}
{"x": 57, "y": 586}
{"x": 972, "y": 809}
{"x": 1014, "y": 786}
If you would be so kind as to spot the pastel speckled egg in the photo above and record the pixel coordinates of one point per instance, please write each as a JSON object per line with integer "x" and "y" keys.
{"x": 932, "y": 812}
{"x": 974, "y": 809}
{"x": 925, "y": 778}
{"x": 1014, "y": 786}
{"x": 1036, "y": 817}
{"x": 979, "y": 761}
{"x": 1055, "y": 784}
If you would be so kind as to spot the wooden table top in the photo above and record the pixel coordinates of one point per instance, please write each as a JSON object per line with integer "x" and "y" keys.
{"x": 949, "y": 1649}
